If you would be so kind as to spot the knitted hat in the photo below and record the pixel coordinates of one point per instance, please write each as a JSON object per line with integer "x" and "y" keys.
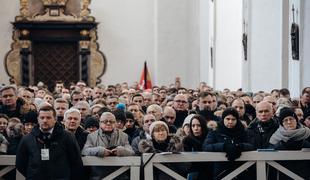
{"x": 121, "y": 106}
{"x": 306, "y": 114}
{"x": 230, "y": 111}
{"x": 91, "y": 122}
{"x": 31, "y": 117}
{"x": 187, "y": 120}
{"x": 286, "y": 112}
{"x": 158, "y": 123}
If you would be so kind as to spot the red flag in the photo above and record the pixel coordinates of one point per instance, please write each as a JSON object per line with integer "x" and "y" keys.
{"x": 145, "y": 79}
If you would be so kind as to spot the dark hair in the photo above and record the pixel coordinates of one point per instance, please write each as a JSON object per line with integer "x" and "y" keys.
{"x": 284, "y": 92}
{"x": 47, "y": 108}
{"x": 203, "y": 125}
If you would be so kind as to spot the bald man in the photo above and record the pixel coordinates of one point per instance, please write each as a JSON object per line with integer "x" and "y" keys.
{"x": 263, "y": 126}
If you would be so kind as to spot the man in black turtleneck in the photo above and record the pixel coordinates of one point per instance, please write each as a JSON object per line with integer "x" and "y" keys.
{"x": 180, "y": 106}
{"x": 262, "y": 127}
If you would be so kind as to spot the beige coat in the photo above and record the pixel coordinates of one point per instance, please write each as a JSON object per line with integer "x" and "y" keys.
{"x": 98, "y": 141}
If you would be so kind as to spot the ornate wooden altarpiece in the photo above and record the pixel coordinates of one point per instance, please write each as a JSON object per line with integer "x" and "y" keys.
{"x": 55, "y": 40}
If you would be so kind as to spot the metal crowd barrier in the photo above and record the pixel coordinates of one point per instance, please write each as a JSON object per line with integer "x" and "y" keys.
{"x": 155, "y": 160}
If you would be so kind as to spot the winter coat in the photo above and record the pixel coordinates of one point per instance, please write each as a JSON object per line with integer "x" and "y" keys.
{"x": 132, "y": 133}
{"x": 287, "y": 140}
{"x": 194, "y": 144}
{"x": 97, "y": 141}
{"x": 64, "y": 162}
{"x": 95, "y": 146}
{"x": 180, "y": 116}
{"x": 259, "y": 132}
{"x": 172, "y": 144}
{"x": 81, "y": 136}
{"x": 136, "y": 140}
{"x": 215, "y": 142}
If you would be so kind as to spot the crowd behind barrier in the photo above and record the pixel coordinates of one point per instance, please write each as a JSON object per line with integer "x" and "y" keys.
{"x": 158, "y": 133}
{"x": 261, "y": 159}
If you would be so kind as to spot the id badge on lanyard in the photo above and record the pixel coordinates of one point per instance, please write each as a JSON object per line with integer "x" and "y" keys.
{"x": 45, "y": 154}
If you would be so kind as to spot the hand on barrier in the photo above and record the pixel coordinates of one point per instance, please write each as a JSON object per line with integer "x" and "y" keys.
{"x": 233, "y": 151}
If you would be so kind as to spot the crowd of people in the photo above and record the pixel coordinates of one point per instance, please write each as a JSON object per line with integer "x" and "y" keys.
{"x": 49, "y": 131}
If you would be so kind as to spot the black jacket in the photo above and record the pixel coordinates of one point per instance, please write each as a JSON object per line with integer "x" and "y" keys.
{"x": 81, "y": 136}
{"x": 215, "y": 142}
{"x": 259, "y": 133}
{"x": 64, "y": 162}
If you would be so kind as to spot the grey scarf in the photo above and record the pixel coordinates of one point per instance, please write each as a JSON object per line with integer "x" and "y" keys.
{"x": 284, "y": 135}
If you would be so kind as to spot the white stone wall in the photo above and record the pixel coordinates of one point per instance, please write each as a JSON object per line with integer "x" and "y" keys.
{"x": 228, "y": 48}
{"x": 265, "y": 42}
{"x": 7, "y": 13}
{"x": 305, "y": 62}
{"x": 174, "y": 37}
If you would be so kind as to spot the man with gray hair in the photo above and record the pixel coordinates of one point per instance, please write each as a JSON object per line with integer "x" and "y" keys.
{"x": 156, "y": 110}
{"x": 106, "y": 141}
{"x": 72, "y": 121}
{"x": 84, "y": 109}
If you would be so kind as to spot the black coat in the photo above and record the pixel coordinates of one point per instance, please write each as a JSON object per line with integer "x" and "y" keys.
{"x": 64, "y": 162}
{"x": 215, "y": 142}
{"x": 180, "y": 116}
{"x": 259, "y": 133}
{"x": 81, "y": 137}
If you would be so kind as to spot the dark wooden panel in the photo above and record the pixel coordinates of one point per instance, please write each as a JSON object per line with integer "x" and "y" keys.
{"x": 55, "y": 61}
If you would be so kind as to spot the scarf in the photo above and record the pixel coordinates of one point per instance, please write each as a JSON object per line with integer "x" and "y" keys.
{"x": 282, "y": 134}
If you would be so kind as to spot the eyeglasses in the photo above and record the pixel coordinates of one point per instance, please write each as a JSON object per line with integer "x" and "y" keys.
{"x": 108, "y": 121}
{"x": 169, "y": 117}
{"x": 180, "y": 101}
{"x": 149, "y": 120}
{"x": 81, "y": 99}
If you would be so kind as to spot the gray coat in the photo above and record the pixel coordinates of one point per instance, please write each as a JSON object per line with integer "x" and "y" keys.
{"x": 97, "y": 141}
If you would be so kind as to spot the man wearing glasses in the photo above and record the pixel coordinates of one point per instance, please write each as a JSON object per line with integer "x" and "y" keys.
{"x": 180, "y": 105}
{"x": 106, "y": 141}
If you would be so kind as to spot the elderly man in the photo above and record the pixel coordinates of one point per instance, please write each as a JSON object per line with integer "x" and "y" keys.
{"x": 72, "y": 121}
{"x": 84, "y": 109}
{"x": 49, "y": 152}
{"x": 148, "y": 119}
{"x": 261, "y": 129}
{"x": 156, "y": 110}
{"x": 169, "y": 116}
{"x": 106, "y": 141}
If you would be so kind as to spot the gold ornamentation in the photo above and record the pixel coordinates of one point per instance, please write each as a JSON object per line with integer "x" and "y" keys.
{"x": 84, "y": 44}
{"x": 54, "y": 2}
{"x": 24, "y": 9}
{"x": 84, "y": 32}
{"x": 12, "y": 59}
{"x": 84, "y": 9}
{"x": 97, "y": 60}
{"x": 25, "y": 44}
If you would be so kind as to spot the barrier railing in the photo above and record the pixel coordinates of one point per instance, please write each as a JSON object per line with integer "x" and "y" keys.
{"x": 131, "y": 162}
{"x": 261, "y": 159}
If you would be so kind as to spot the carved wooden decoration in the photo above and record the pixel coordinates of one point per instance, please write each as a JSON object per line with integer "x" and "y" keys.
{"x": 38, "y": 17}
